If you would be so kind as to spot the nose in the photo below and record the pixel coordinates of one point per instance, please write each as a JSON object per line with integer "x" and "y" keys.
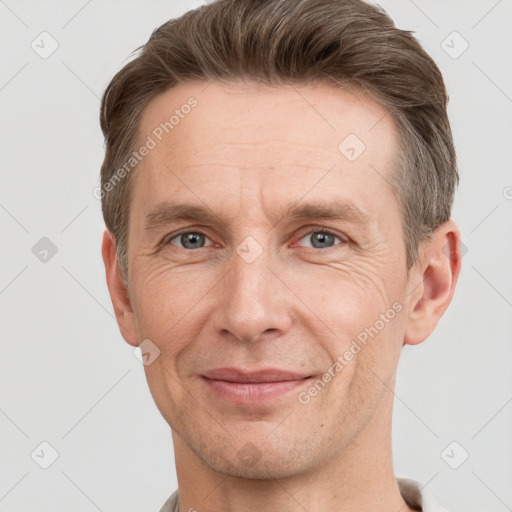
{"x": 253, "y": 303}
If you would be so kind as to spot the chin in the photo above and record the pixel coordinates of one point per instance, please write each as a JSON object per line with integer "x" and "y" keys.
{"x": 254, "y": 455}
{"x": 269, "y": 467}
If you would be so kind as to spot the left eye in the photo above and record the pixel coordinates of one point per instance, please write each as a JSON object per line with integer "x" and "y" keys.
{"x": 190, "y": 240}
{"x": 321, "y": 239}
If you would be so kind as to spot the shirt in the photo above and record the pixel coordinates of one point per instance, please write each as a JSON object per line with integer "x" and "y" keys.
{"x": 410, "y": 490}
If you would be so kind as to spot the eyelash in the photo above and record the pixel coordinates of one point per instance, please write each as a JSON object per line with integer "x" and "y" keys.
{"x": 325, "y": 231}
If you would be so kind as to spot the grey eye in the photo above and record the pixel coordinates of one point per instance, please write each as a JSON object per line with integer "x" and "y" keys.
{"x": 321, "y": 239}
{"x": 190, "y": 240}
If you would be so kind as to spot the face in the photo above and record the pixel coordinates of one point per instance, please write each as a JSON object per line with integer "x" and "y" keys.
{"x": 264, "y": 236}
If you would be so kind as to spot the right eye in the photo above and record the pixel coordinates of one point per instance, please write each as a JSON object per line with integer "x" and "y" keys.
{"x": 191, "y": 240}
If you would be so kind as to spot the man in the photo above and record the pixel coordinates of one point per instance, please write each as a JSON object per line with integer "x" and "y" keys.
{"x": 277, "y": 189}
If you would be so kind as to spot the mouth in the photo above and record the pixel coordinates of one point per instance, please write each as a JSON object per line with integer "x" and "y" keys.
{"x": 243, "y": 387}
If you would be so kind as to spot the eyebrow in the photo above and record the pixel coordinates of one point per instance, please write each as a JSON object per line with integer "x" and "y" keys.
{"x": 169, "y": 212}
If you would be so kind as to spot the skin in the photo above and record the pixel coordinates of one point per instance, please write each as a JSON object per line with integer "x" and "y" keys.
{"x": 246, "y": 152}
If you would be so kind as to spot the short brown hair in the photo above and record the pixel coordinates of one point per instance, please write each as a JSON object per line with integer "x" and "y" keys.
{"x": 279, "y": 42}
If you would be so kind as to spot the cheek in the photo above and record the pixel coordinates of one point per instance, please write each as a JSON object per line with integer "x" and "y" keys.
{"x": 365, "y": 317}
{"x": 166, "y": 304}
{"x": 347, "y": 297}
{"x": 363, "y": 366}
{"x": 335, "y": 302}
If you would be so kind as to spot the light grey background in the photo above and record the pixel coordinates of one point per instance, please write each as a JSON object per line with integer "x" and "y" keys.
{"x": 68, "y": 377}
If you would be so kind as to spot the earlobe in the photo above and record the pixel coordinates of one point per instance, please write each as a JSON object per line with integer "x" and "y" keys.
{"x": 118, "y": 292}
{"x": 432, "y": 282}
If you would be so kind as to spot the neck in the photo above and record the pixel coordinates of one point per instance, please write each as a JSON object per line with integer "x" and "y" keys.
{"x": 359, "y": 477}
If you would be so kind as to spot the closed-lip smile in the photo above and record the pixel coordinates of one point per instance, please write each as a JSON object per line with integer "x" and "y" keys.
{"x": 250, "y": 387}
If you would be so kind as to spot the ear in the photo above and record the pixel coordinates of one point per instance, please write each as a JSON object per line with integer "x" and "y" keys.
{"x": 118, "y": 292}
{"x": 432, "y": 282}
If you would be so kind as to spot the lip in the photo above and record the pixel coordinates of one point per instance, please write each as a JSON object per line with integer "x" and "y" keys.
{"x": 243, "y": 387}
{"x": 258, "y": 376}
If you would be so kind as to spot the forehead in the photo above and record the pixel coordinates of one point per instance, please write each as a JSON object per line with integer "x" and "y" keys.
{"x": 271, "y": 141}
{"x": 238, "y": 109}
